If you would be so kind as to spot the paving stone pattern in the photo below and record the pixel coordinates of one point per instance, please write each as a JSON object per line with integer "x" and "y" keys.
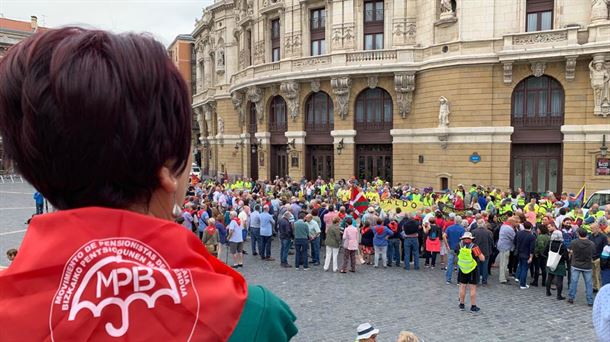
{"x": 330, "y": 305}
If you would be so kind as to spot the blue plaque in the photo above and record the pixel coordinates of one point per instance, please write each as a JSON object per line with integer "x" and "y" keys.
{"x": 475, "y": 158}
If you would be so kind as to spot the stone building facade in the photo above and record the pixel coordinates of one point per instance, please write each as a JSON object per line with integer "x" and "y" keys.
{"x": 427, "y": 92}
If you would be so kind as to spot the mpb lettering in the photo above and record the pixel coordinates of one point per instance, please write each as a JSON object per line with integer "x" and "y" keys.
{"x": 137, "y": 278}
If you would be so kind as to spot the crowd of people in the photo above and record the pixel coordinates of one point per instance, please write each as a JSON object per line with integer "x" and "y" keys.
{"x": 544, "y": 237}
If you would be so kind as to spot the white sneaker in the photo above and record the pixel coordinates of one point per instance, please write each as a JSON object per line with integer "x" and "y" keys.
{"x": 524, "y": 287}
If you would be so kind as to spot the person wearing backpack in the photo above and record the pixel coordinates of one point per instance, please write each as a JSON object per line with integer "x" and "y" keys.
{"x": 467, "y": 253}
{"x": 555, "y": 246}
{"x": 433, "y": 241}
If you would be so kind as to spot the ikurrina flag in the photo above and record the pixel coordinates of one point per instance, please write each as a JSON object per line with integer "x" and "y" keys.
{"x": 358, "y": 202}
{"x": 97, "y": 274}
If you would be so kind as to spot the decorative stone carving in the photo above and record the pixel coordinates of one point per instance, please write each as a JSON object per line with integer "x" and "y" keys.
{"x": 208, "y": 110}
{"x": 598, "y": 72}
{"x": 404, "y": 85}
{"x": 259, "y": 52}
{"x": 538, "y": 68}
{"x": 255, "y": 95}
{"x": 341, "y": 87}
{"x": 221, "y": 125}
{"x": 293, "y": 41}
{"x": 443, "y": 112}
{"x": 220, "y": 61}
{"x": 311, "y": 61}
{"x": 599, "y": 10}
{"x": 290, "y": 89}
{"x": 406, "y": 31}
{"x": 446, "y": 9}
{"x": 200, "y": 122}
{"x": 315, "y": 86}
{"x": 343, "y": 36}
{"x": 570, "y": 68}
{"x": 372, "y": 81}
{"x": 508, "y": 72}
{"x": 444, "y": 139}
{"x": 275, "y": 89}
{"x": 540, "y": 38}
{"x": 237, "y": 98}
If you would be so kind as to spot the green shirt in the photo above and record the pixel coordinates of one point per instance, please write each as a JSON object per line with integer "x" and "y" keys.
{"x": 301, "y": 230}
{"x": 265, "y": 318}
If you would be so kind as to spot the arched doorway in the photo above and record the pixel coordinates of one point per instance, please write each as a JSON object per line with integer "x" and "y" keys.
{"x": 278, "y": 123}
{"x": 373, "y": 122}
{"x": 537, "y": 115}
{"x": 319, "y": 121}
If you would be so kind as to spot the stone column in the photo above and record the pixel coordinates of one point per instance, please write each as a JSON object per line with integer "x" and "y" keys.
{"x": 344, "y": 152}
{"x": 296, "y": 150}
{"x": 264, "y": 154}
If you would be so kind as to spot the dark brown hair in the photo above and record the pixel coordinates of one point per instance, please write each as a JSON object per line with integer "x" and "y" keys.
{"x": 90, "y": 117}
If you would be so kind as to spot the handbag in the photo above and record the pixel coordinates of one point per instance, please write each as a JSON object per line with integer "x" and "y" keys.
{"x": 554, "y": 258}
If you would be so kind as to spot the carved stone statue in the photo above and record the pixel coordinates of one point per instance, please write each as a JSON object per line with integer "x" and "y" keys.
{"x": 404, "y": 85}
{"x": 238, "y": 98}
{"x": 221, "y": 126}
{"x": 255, "y": 95}
{"x": 599, "y": 10}
{"x": 220, "y": 59}
{"x": 201, "y": 122}
{"x": 446, "y": 9}
{"x": 341, "y": 87}
{"x": 290, "y": 89}
{"x": 443, "y": 113}
{"x": 599, "y": 82}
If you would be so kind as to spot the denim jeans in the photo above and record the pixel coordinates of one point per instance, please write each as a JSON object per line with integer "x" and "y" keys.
{"x": 411, "y": 247}
{"x": 315, "y": 250}
{"x": 522, "y": 269}
{"x": 39, "y": 208}
{"x": 255, "y": 237}
{"x": 284, "y": 250}
{"x": 394, "y": 251}
{"x": 381, "y": 251}
{"x": 300, "y": 255}
{"x": 483, "y": 270}
{"x": 450, "y": 262}
{"x": 588, "y": 276}
{"x": 266, "y": 247}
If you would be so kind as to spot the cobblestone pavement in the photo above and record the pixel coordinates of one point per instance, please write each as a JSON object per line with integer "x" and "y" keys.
{"x": 329, "y": 306}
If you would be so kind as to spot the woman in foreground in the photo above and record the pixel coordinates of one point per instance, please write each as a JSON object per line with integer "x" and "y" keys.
{"x": 100, "y": 124}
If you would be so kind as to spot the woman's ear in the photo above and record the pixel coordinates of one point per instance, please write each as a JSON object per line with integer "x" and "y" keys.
{"x": 167, "y": 181}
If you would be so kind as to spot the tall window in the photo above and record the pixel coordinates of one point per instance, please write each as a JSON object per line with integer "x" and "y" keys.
{"x": 193, "y": 69}
{"x": 275, "y": 40}
{"x": 539, "y": 15}
{"x": 249, "y": 47}
{"x": 277, "y": 115}
{"x": 318, "y": 31}
{"x": 373, "y": 25}
{"x": 374, "y": 109}
{"x": 319, "y": 112}
{"x": 538, "y": 102}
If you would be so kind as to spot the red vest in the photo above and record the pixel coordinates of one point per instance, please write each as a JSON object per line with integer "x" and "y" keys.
{"x": 101, "y": 274}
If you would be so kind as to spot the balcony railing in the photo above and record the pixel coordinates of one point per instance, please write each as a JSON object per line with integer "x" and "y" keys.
{"x": 319, "y": 127}
{"x": 374, "y": 125}
{"x": 541, "y": 39}
{"x": 278, "y": 127}
{"x": 537, "y": 121}
{"x": 372, "y": 55}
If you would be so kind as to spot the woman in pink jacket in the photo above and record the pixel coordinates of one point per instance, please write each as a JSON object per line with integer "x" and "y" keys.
{"x": 350, "y": 245}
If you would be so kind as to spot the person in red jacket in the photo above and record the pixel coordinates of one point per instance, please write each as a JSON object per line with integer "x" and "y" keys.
{"x": 111, "y": 263}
